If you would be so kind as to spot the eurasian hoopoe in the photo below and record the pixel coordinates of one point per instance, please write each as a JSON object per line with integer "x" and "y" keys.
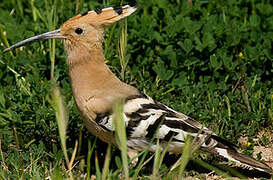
{"x": 96, "y": 89}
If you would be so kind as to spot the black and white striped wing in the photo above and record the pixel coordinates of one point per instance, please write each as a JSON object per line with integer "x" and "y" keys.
{"x": 147, "y": 120}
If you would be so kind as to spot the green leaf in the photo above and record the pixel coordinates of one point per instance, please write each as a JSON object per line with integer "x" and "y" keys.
{"x": 208, "y": 41}
{"x": 186, "y": 46}
{"x": 254, "y": 20}
{"x": 181, "y": 81}
{"x": 215, "y": 64}
{"x": 170, "y": 54}
{"x": 162, "y": 72}
{"x": 2, "y": 99}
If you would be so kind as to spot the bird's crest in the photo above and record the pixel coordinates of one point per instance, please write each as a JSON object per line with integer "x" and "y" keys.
{"x": 106, "y": 16}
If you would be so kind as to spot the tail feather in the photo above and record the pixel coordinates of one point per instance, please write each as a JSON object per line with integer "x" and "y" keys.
{"x": 248, "y": 161}
{"x": 229, "y": 151}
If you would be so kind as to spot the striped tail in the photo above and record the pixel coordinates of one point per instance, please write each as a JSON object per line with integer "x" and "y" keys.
{"x": 229, "y": 151}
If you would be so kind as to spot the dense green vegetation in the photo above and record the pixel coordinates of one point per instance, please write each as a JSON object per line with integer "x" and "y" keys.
{"x": 211, "y": 60}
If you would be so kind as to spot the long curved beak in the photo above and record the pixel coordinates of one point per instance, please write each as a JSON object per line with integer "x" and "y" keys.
{"x": 56, "y": 34}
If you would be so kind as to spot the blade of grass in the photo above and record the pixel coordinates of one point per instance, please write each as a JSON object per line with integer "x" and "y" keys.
{"x": 5, "y": 167}
{"x": 107, "y": 160}
{"x": 77, "y": 6}
{"x": 142, "y": 163}
{"x": 59, "y": 106}
{"x": 90, "y": 152}
{"x": 73, "y": 156}
{"x": 98, "y": 173}
{"x": 52, "y": 20}
{"x": 80, "y": 140}
{"x": 122, "y": 49}
{"x": 156, "y": 166}
{"x": 4, "y": 39}
{"x": 185, "y": 156}
{"x": 108, "y": 41}
{"x": 211, "y": 168}
{"x": 34, "y": 15}
{"x": 16, "y": 137}
{"x": 228, "y": 106}
{"x": 40, "y": 15}
{"x": 121, "y": 136}
{"x": 165, "y": 151}
{"x": 235, "y": 172}
{"x": 58, "y": 102}
{"x": 184, "y": 159}
{"x": 20, "y": 7}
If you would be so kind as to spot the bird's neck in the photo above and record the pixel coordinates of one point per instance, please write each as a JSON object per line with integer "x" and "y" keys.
{"x": 88, "y": 72}
{"x": 93, "y": 84}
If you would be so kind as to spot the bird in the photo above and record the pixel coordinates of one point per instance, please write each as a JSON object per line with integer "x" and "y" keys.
{"x": 96, "y": 89}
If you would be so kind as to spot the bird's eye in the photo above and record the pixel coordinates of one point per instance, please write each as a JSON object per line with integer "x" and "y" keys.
{"x": 79, "y": 31}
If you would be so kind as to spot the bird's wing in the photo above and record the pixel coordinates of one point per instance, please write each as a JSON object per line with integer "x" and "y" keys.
{"x": 147, "y": 120}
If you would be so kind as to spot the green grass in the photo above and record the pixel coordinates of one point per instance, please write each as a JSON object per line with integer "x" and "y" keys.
{"x": 211, "y": 60}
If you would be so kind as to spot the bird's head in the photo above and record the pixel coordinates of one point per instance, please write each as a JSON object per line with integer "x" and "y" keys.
{"x": 83, "y": 30}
